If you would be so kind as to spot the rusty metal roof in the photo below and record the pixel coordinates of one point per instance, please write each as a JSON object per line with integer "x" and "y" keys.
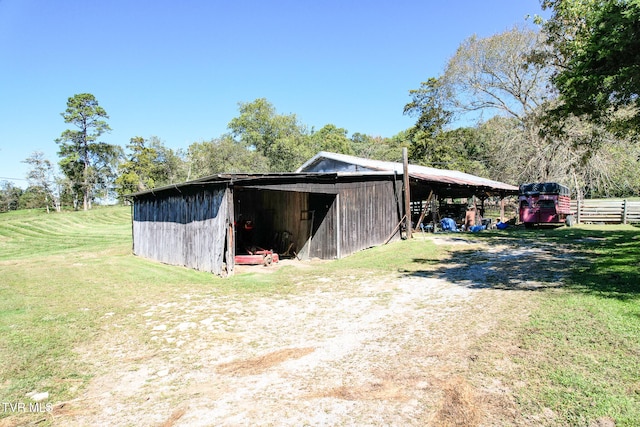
{"x": 325, "y": 161}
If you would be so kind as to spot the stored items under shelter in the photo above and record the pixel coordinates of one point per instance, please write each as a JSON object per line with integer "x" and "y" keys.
{"x": 204, "y": 224}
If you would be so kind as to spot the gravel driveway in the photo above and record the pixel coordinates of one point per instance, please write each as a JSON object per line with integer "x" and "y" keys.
{"x": 392, "y": 350}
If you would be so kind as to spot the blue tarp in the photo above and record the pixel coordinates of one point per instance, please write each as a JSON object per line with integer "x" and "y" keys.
{"x": 448, "y": 224}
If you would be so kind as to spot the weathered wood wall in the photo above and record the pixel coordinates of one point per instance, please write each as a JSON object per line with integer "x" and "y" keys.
{"x": 324, "y": 231}
{"x": 187, "y": 229}
{"x": 274, "y": 212}
{"x": 193, "y": 227}
{"x": 349, "y": 215}
{"x": 368, "y": 213}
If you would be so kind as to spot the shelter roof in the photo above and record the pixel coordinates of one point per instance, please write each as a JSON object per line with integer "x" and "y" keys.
{"x": 273, "y": 179}
{"x": 332, "y": 162}
{"x": 332, "y": 167}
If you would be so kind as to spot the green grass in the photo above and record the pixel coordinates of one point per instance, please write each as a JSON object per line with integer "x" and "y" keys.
{"x": 60, "y": 273}
{"x": 581, "y": 349}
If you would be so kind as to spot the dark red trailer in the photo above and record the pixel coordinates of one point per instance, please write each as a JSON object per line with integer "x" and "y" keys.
{"x": 544, "y": 203}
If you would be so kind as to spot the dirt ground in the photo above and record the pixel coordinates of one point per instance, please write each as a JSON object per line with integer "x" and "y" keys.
{"x": 396, "y": 350}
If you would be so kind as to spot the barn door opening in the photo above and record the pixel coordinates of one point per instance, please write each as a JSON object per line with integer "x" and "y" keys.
{"x": 322, "y": 225}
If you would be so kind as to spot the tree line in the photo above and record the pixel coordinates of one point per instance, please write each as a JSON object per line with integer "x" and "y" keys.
{"x": 259, "y": 140}
{"x": 558, "y": 102}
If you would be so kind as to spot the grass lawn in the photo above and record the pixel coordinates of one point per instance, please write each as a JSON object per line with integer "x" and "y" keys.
{"x": 580, "y": 350}
{"x": 60, "y": 274}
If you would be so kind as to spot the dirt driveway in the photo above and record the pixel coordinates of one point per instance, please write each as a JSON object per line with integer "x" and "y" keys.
{"x": 397, "y": 350}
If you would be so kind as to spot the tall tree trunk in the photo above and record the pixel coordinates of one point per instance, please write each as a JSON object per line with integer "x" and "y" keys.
{"x": 86, "y": 204}
{"x": 85, "y": 188}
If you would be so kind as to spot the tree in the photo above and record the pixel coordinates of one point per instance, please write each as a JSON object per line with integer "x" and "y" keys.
{"x": 493, "y": 75}
{"x": 138, "y": 172}
{"x": 331, "y": 138}
{"x": 379, "y": 148}
{"x": 224, "y": 155}
{"x": 427, "y": 103}
{"x": 171, "y": 165}
{"x": 149, "y": 164}
{"x": 598, "y": 42}
{"x": 32, "y": 198}
{"x": 9, "y": 196}
{"x": 87, "y": 163}
{"x": 42, "y": 176}
{"x": 280, "y": 138}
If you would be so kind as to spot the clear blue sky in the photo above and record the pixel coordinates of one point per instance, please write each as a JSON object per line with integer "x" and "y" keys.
{"x": 178, "y": 69}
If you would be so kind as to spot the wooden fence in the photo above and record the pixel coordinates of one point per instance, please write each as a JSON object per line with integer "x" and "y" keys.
{"x": 608, "y": 211}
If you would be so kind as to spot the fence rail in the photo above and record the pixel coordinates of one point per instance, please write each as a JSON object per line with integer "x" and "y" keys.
{"x": 608, "y": 211}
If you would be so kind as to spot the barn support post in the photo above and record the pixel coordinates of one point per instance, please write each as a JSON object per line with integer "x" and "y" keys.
{"x": 338, "y": 228}
{"x": 502, "y": 207}
{"x": 231, "y": 231}
{"x": 133, "y": 231}
{"x": 407, "y": 195}
{"x": 434, "y": 211}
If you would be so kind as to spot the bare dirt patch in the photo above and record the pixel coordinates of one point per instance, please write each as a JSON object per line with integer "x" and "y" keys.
{"x": 393, "y": 350}
{"x": 258, "y": 365}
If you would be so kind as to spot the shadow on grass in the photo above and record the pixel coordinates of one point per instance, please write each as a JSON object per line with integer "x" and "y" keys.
{"x": 603, "y": 260}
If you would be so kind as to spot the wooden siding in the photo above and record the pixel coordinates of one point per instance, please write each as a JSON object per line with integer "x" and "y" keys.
{"x": 194, "y": 226}
{"x": 348, "y": 215}
{"x": 369, "y": 212}
{"x": 187, "y": 229}
{"x": 273, "y": 213}
{"x": 309, "y": 218}
{"x": 324, "y": 241}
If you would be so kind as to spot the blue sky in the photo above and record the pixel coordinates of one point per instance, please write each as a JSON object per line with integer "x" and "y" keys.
{"x": 178, "y": 69}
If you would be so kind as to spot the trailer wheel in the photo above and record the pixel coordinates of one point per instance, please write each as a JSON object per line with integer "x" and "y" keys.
{"x": 570, "y": 221}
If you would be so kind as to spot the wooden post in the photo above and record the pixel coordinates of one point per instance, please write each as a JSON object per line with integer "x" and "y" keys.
{"x": 624, "y": 211}
{"x": 501, "y": 208}
{"x": 407, "y": 195}
{"x": 231, "y": 230}
{"x": 339, "y": 227}
{"x": 434, "y": 211}
{"x": 578, "y": 211}
{"x": 425, "y": 208}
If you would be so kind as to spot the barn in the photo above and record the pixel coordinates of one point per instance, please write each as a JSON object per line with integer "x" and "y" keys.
{"x": 333, "y": 206}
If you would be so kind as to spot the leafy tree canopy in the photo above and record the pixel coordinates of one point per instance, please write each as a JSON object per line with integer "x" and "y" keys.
{"x": 280, "y": 138}
{"x": 599, "y": 45}
{"x": 333, "y": 139}
{"x": 41, "y": 175}
{"x": 86, "y": 162}
{"x": 224, "y": 155}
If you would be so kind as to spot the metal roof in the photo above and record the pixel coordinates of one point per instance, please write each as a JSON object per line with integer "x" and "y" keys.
{"x": 326, "y": 166}
{"x": 424, "y": 173}
{"x": 247, "y": 179}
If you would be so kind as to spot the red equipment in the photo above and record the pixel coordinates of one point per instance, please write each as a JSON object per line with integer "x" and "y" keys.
{"x": 544, "y": 203}
{"x": 263, "y": 257}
